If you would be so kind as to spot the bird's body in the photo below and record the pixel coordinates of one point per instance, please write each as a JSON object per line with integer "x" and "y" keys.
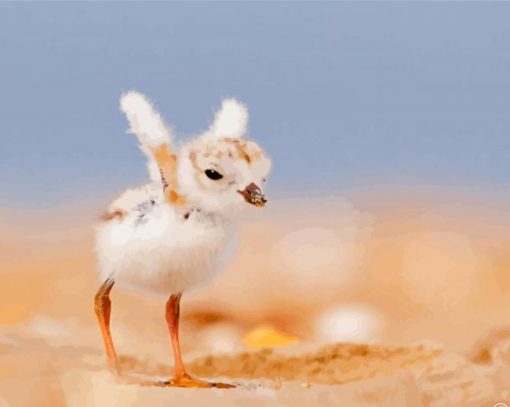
{"x": 176, "y": 232}
{"x": 153, "y": 247}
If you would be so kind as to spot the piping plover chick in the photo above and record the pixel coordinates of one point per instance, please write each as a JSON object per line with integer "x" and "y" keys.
{"x": 176, "y": 232}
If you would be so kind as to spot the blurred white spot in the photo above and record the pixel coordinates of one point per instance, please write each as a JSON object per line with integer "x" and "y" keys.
{"x": 349, "y": 323}
{"x": 49, "y": 329}
{"x": 222, "y": 338}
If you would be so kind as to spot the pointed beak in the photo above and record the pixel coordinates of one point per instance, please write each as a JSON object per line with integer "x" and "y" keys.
{"x": 253, "y": 195}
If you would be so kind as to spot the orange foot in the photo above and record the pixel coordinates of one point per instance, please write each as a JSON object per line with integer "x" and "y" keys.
{"x": 185, "y": 380}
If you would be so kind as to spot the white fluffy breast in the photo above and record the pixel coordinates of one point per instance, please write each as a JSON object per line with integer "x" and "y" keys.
{"x": 156, "y": 249}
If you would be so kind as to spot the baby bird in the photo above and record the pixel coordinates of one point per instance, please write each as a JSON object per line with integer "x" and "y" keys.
{"x": 177, "y": 232}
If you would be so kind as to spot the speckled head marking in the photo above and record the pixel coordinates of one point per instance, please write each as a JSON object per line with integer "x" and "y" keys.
{"x": 220, "y": 168}
{"x": 236, "y": 164}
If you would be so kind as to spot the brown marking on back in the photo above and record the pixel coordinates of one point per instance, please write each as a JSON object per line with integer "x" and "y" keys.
{"x": 118, "y": 214}
{"x": 167, "y": 163}
{"x": 174, "y": 198}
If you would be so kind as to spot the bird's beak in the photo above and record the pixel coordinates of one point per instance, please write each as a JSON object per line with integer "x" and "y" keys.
{"x": 253, "y": 195}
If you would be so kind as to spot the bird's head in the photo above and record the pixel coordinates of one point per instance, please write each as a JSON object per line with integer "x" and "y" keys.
{"x": 220, "y": 171}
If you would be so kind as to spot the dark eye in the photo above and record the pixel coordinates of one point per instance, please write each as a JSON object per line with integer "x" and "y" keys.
{"x": 214, "y": 175}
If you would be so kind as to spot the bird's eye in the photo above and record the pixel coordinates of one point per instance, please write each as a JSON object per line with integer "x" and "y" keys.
{"x": 214, "y": 175}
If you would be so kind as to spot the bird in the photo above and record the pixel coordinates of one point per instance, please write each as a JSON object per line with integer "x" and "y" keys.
{"x": 177, "y": 231}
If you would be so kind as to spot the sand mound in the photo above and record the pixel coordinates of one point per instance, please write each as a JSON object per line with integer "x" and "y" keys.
{"x": 350, "y": 374}
{"x": 333, "y": 364}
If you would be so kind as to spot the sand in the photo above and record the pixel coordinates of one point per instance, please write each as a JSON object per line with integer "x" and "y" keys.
{"x": 405, "y": 308}
{"x": 35, "y": 373}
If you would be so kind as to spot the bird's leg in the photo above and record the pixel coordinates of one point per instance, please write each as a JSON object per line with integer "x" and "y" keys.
{"x": 102, "y": 307}
{"x": 172, "y": 319}
{"x": 181, "y": 378}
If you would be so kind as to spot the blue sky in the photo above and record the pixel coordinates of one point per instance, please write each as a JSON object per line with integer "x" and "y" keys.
{"x": 342, "y": 95}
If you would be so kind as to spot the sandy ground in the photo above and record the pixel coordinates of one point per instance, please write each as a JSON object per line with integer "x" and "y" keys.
{"x": 399, "y": 303}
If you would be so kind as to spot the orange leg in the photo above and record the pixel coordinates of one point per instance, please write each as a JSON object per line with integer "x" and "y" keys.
{"x": 181, "y": 378}
{"x": 102, "y": 307}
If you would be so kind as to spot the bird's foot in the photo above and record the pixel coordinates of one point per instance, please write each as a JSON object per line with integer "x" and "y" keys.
{"x": 185, "y": 380}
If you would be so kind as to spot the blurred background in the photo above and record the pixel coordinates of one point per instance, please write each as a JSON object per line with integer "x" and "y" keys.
{"x": 388, "y": 125}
